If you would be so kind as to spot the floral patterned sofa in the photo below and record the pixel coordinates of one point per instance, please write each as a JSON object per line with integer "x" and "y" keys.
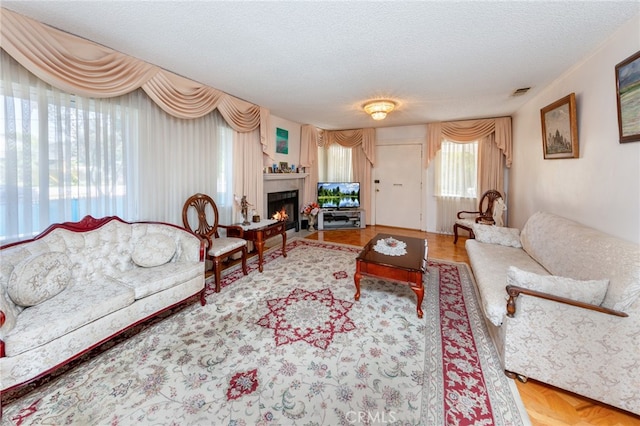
{"x": 77, "y": 285}
{"x": 562, "y": 303}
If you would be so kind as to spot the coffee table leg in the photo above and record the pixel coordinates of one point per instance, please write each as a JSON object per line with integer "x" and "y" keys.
{"x": 418, "y": 289}
{"x": 356, "y": 280}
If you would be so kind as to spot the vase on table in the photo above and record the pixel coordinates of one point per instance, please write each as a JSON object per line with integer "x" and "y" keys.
{"x": 311, "y": 218}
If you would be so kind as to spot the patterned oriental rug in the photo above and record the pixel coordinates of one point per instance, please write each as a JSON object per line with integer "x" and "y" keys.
{"x": 290, "y": 346}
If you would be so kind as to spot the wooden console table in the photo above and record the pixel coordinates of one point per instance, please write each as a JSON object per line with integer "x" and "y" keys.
{"x": 260, "y": 232}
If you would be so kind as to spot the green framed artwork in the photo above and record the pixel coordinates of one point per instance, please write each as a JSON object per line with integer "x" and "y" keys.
{"x": 282, "y": 141}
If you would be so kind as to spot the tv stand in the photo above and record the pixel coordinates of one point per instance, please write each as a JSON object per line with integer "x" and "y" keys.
{"x": 339, "y": 219}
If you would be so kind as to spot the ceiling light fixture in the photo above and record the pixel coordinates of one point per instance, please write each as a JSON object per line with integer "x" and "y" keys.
{"x": 379, "y": 109}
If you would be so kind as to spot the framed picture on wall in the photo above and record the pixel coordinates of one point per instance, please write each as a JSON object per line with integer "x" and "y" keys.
{"x": 560, "y": 129}
{"x": 282, "y": 141}
{"x": 628, "y": 97}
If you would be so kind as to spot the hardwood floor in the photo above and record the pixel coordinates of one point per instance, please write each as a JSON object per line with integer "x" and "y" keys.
{"x": 546, "y": 405}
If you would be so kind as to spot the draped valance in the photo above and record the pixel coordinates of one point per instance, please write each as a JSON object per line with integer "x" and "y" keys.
{"x": 468, "y": 131}
{"x": 313, "y": 137}
{"x": 352, "y": 138}
{"x": 82, "y": 67}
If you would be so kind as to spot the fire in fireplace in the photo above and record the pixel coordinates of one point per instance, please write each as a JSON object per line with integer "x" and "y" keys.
{"x": 284, "y": 204}
{"x": 281, "y": 215}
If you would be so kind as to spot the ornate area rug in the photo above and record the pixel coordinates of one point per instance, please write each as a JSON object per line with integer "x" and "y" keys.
{"x": 290, "y": 346}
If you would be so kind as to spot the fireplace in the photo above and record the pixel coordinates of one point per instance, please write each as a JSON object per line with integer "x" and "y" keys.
{"x": 286, "y": 201}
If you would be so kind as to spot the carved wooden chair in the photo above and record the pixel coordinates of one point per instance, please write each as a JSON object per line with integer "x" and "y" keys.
{"x": 218, "y": 248}
{"x": 484, "y": 214}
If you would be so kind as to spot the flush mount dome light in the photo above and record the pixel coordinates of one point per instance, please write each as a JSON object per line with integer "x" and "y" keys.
{"x": 379, "y": 109}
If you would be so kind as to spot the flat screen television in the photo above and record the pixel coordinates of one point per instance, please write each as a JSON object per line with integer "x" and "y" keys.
{"x": 339, "y": 195}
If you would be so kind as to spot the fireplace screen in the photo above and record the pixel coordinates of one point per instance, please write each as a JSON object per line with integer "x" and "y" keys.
{"x": 284, "y": 205}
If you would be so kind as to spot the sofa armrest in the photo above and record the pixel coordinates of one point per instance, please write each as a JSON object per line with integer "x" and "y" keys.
{"x": 203, "y": 249}
{"x": 515, "y": 291}
{"x": 588, "y": 350}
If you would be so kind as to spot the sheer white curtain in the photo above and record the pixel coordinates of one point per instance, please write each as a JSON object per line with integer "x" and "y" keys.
{"x": 335, "y": 163}
{"x": 456, "y": 182}
{"x": 248, "y": 176}
{"x": 63, "y": 157}
{"x": 180, "y": 157}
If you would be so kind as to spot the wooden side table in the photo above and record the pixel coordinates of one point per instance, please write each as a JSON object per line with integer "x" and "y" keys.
{"x": 260, "y": 232}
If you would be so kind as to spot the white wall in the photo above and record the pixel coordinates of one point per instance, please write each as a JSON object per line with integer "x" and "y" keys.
{"x": 600, "y": 189}
{"x": 293, "y": 156}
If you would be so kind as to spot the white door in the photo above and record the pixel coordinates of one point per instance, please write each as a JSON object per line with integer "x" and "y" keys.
{"x": 398, "y": 186}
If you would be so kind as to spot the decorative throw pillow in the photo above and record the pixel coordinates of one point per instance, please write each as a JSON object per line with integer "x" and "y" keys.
{"x": 497, "y": 235}
{"x": 39, "y": 278}
{"x": 153, "y": 250}
{"x": 592, "y": 291}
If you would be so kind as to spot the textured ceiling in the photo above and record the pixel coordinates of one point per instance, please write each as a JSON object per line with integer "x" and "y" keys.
{"x": 318, "y": 62}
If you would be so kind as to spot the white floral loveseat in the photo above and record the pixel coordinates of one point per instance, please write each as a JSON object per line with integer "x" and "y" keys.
{"x": 77, "y": 285}
{"x": 562, "y": 302}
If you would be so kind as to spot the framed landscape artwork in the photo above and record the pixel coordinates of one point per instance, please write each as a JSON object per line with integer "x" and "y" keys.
{"x": 628, "y": 97}
{"x": 560, "y": 129}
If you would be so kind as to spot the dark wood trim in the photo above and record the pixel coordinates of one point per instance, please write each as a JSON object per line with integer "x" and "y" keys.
{"x": 2, "y": 320}
{"x": 515, "y": 291}
{"x": 90, "y": 223}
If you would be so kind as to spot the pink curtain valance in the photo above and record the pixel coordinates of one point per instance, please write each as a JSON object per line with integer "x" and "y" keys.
{"x": 469, "y": 131}
{"x": 313, "y": 137}
{"x": 352, "y": 138}
{"x": 88, "y": 69}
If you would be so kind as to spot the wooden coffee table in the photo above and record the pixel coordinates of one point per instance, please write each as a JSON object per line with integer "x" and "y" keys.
{"x": 260, "y": 232}
{"x": 407, "y": 268}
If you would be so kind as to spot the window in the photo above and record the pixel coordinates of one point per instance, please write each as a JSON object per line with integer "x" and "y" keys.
{"x": 62, "y": 156}
{"x": 457, "y": 170}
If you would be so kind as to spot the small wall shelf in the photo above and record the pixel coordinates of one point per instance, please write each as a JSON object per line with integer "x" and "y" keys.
{"x": 337, "y": 219}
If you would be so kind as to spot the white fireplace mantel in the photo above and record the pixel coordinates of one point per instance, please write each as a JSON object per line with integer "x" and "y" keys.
{"x": 281, "y": 176}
